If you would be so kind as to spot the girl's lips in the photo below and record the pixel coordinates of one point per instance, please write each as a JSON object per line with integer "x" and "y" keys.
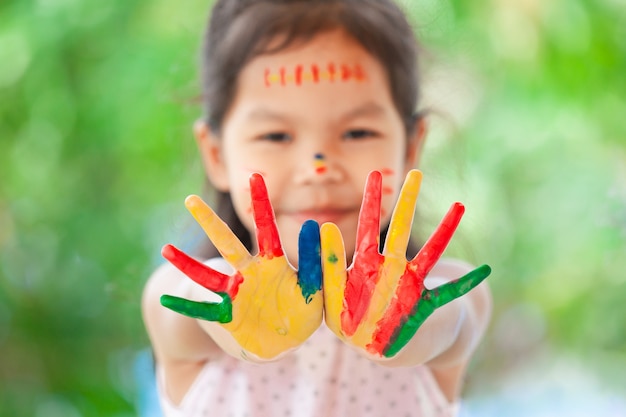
{"x": 321, "y": 216}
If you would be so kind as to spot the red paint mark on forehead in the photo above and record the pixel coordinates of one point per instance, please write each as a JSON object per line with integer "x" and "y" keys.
{"x": 387, "y": 171}
{"x": 300, "y": 74}
{"x": 299, "y": 70}
{"x": 268, "y": 83}
{"x": 346, "y": 73}
{"x": 315, "y": 71}
{"x": 359, "y": 74}
{"x": 331, "y": 71}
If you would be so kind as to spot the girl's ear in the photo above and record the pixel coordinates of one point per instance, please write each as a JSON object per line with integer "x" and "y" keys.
{"x": 211, "y": 152}
{"x": 415, "y": 142}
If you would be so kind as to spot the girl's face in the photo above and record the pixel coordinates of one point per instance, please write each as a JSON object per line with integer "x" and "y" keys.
{"x": 314, "y": 120}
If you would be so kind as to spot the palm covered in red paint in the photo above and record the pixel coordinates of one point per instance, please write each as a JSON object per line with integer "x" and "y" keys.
{"x": 379, "y": 302}
{"x": 267, "y": 306}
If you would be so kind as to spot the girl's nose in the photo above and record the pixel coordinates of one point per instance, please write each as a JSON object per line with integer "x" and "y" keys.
{"x": 320, "y": 168}
{"x": 319, "y": 163}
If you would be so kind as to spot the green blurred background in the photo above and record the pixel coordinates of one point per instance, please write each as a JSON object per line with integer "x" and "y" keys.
{"x": 528, "y": 129}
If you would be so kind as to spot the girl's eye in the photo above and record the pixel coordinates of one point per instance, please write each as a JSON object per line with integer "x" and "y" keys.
{"x": 356, "y": 134}
{"x": 278, "y": 137}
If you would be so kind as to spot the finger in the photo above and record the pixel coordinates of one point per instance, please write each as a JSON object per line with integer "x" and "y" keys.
{"x": 364, "y": 272}
{"x": 220, "y": 312}
{"x": 432, "y": 250}
{"x": 406, "y": 295}
{"x": 264, "y": 220}
{"x": 228, "y": 245}
{"x": 309, "y": 260}
{"x": 459, "y": 287}
{"x": 433, "y": 299}
{"x": 368, "y": 229}
{"x": 334, "y": 267}
{"x": 197, "y": 271}
{"x": 402, "y": 217}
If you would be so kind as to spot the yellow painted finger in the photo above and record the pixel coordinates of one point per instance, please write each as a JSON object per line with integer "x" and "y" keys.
{"x": 402, "y": 217}
{"x": 231, "y": 248}
{"x": 334, "y": 271}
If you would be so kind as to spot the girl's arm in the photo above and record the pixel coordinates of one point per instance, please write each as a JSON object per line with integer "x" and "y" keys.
{"x": 449, "y": 337}
{"x": 181, "y": 346}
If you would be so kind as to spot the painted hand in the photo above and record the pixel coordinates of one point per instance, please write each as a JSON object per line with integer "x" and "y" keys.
{"x": 267, "y": 306}
{"x": 379, "y": 302}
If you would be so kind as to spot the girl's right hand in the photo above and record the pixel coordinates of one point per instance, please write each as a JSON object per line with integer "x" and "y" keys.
{"x": 267, "y": 306}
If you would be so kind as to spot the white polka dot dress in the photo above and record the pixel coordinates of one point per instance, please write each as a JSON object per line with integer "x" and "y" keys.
{"x": 324, "y": 378}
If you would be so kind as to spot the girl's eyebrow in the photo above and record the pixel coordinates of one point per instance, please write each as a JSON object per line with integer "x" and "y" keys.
{"x": 265, "y": 114}
{"x": 369, "y": 109}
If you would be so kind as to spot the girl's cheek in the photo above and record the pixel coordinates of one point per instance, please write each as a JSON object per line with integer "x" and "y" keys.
{"x": 247, "y": 171}
{"x": 390, "y": 191}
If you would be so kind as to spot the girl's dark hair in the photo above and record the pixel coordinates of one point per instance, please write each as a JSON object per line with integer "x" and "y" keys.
{"x": 240, "y": 30}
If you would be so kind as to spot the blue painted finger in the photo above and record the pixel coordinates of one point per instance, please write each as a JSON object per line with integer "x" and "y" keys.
{"x": 309, "y": 259}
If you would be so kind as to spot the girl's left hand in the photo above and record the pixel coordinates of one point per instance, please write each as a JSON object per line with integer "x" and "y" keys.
{"x": 267, "y": 306}
{"x": 379, "y": 302}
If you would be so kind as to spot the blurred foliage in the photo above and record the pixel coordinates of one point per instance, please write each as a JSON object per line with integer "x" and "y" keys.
{"x": 96, "y": 156}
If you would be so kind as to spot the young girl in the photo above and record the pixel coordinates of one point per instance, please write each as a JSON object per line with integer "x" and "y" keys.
{"x": 313, "y": 95}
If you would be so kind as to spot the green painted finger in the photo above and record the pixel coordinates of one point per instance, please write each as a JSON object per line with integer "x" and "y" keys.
{"x": 221, "y": 312}
{"x": 430, "y": 301}
{"x": 459, "y": 287}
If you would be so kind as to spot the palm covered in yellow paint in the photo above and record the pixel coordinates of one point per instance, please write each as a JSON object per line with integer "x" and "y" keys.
{"x": 267, "y": 305}
{"x": 379, "y": 302}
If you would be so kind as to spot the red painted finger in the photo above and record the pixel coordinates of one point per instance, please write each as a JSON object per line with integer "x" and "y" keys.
{"x": 207, "y": 277}
{"x": 364, "y": 272}
{"x": 368, "y": 230}
{"x": 266, "y": 231}
{"x": 432, "y": 250}
{"x": 408, "y": 293}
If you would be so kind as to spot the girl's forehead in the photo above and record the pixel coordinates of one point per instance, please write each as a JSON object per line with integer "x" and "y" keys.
{"x": 322, "y": 48}
{"x": 325, "y": 79}
{"x": 328, "y": 57}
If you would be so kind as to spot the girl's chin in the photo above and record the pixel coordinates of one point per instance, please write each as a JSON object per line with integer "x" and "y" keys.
{"x": 289, "y": 229}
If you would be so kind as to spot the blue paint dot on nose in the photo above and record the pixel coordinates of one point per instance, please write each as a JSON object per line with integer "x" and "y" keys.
{"x": 319, "y": 156}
